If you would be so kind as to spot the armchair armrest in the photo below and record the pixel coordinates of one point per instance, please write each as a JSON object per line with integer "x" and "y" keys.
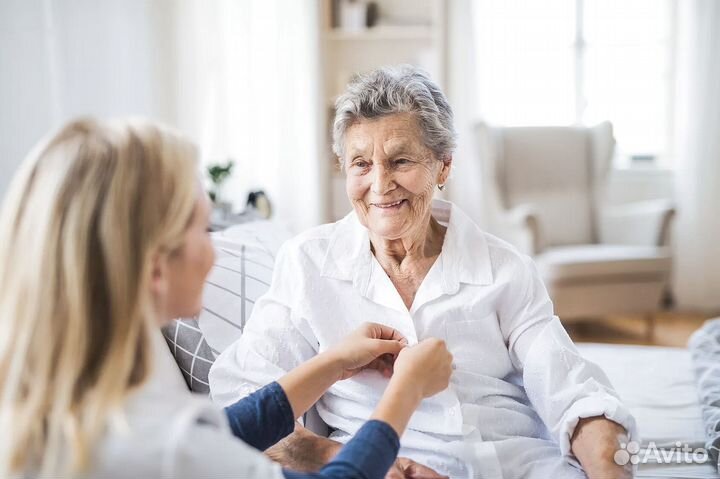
{"x": 519, "y": 226}
{"x": 640, "y": 223}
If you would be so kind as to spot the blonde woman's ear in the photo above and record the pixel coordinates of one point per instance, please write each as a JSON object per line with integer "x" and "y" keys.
{"x": 159, "y": 281}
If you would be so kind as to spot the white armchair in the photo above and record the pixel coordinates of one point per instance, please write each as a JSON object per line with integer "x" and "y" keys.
{"x": 547, "y": 187}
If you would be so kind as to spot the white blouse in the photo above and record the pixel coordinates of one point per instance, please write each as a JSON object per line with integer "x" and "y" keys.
{"x": 519, "y": 385}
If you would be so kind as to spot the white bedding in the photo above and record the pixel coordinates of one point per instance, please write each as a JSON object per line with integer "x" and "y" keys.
{"x": 657, "y": 385}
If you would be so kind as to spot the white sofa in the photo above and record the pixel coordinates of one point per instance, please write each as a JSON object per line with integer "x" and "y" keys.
{"x": 656, "y": 383}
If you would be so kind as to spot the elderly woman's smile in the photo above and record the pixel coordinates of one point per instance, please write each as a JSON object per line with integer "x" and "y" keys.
{"x": 388, "y": 206}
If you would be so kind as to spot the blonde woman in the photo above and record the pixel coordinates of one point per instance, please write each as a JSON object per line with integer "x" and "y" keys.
{"x": 102, "y": 238}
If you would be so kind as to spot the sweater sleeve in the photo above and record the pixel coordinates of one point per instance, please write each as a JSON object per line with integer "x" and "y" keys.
{"x": 263, "y": 418}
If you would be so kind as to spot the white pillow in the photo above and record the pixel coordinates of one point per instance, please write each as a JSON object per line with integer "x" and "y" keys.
{"x": 241, "y": 274}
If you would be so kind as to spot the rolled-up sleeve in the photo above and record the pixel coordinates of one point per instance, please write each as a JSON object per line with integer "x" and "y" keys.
{"x": 275, "y": 340}
{"x": 562, "y": 386}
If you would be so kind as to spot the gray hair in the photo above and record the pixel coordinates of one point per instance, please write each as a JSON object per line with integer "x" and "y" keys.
{"x": 391, "y": 90}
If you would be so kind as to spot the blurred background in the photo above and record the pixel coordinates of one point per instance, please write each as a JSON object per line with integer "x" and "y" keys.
{"x": 253, "y": 83}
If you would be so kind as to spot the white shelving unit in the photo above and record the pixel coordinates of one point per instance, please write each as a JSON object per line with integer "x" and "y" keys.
{"x": 384, "y": 32}
{"x": 408, "y": 31}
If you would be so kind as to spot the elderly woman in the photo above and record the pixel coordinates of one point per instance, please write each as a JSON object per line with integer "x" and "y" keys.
{"x": 522, "y": 401}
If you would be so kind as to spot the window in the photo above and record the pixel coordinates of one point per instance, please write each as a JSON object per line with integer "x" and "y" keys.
{"x": 581, "y": 62}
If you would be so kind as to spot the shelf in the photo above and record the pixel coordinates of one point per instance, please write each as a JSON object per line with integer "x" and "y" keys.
{"x": 384, "y": 32}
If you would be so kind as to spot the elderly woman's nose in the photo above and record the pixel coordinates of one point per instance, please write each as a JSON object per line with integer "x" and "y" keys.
{"x": 382, "y": 180}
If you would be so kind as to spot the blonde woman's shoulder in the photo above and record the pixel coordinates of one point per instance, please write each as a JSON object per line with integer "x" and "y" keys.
{"x": 176, "y": 436}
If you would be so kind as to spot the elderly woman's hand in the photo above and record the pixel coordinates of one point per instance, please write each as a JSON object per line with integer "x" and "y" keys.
{"x": 595, "y": 442}
{"x": 371, "y": 346}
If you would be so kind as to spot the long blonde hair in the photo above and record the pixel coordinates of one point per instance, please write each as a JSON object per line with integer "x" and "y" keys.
{"x": 79, "y": 227}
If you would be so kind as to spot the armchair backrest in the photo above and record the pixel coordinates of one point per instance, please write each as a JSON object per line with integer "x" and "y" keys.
{"x": 558, "y": 171}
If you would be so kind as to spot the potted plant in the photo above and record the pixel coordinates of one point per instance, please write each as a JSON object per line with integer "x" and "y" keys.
{"x": 218, "y": 174}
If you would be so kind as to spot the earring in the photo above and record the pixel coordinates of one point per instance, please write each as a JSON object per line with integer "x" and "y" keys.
{"x": 441, "y": 186}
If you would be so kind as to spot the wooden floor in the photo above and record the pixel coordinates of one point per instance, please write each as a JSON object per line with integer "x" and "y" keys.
{"x": 671, "y": 329}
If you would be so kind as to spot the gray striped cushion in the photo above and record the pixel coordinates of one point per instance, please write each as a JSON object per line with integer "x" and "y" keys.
{"x": 191, "y": 352}
{"x": 242, "y": 273}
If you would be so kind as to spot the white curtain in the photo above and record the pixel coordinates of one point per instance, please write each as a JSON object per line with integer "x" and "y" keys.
{"x": 467, "y": 185}
{"x": 247, "y": 89}
{"x": 697, "y": 269}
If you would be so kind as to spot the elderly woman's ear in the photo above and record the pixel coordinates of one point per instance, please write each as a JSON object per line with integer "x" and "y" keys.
{"x": 444, "y": 174}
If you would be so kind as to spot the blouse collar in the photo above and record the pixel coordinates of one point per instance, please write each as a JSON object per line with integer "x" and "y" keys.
{"x": 464, "y": 258}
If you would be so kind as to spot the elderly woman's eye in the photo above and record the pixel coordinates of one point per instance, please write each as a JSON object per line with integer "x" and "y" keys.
{"x": 402, "y": 161}
{"x": 360, "y": 163}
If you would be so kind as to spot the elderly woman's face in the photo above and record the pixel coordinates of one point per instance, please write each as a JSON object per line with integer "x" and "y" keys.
{"x": 391, "y": 174}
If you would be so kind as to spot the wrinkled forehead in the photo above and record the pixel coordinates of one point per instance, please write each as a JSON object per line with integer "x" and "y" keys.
{"x": 398, "y": 133}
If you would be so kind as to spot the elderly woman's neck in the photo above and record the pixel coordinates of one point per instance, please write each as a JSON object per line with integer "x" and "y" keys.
{"x": 421, "y": 243}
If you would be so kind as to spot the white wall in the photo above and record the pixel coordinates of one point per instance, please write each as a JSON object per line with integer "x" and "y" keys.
{"x": 25, "y": 86}
{"x": 61, "y": 59}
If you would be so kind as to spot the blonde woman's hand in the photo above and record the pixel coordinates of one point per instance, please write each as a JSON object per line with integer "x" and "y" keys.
{"x": 424, "y": 368}
{"x": 371, "y": 346}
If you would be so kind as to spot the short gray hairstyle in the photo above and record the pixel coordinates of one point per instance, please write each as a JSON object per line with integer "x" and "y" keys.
{"x": 391, "y": 90}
